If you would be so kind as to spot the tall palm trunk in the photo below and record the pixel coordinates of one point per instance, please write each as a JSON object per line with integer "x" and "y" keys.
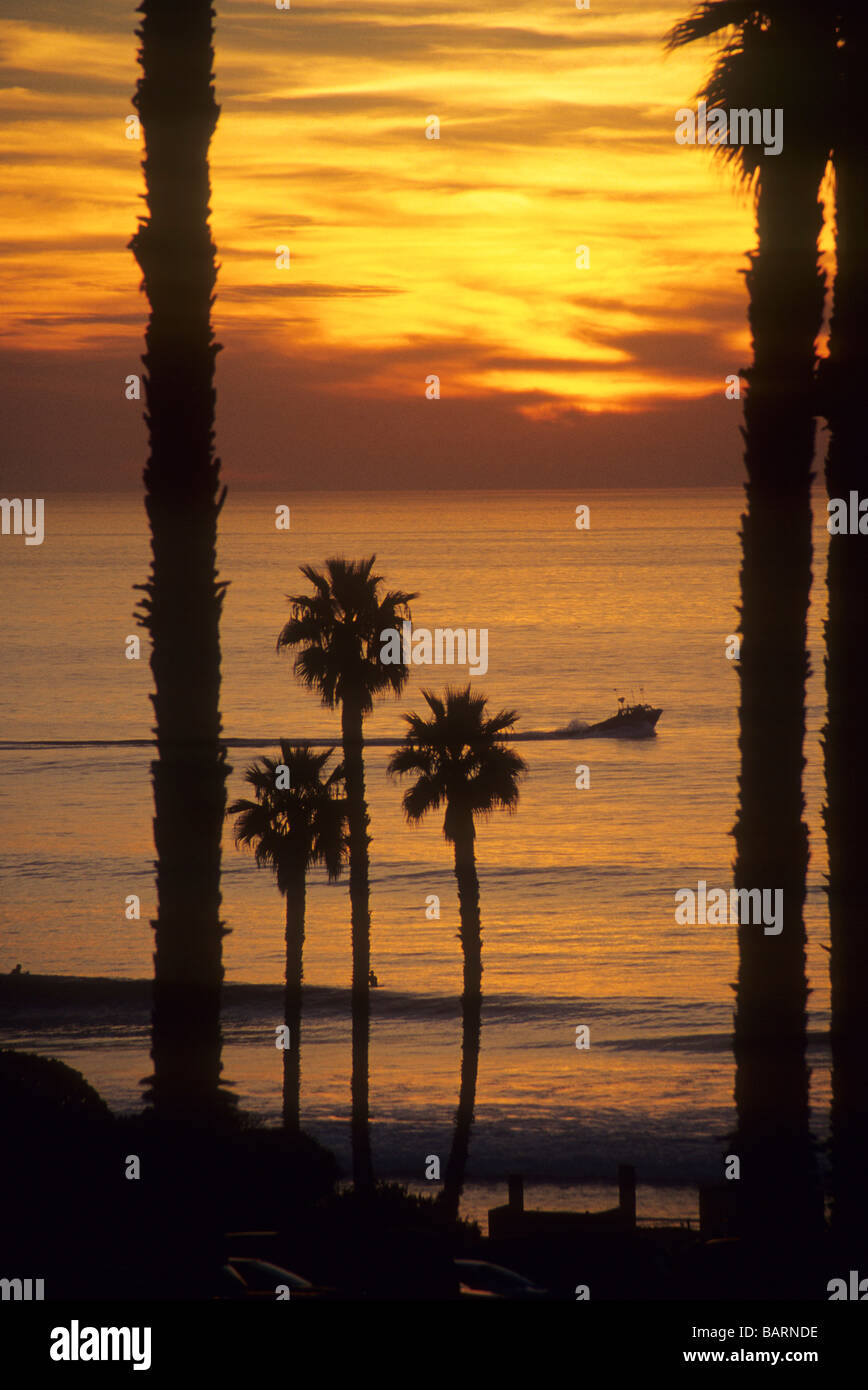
{"x": 778, "y": 1187}
{"x": 360, "y": 915}
{"x": 175, "y": 100}
{"x": 295, "y": 911}
{"x": 471, "y": 1010}
{"x": 846, "y": 733}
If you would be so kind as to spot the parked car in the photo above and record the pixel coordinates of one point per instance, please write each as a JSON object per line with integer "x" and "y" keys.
{"x": 243, "y": 1276}
{"x": 480, "y": 1278}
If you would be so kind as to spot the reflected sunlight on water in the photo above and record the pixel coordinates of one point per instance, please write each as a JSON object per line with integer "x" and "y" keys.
{"x": 577, "y": 887}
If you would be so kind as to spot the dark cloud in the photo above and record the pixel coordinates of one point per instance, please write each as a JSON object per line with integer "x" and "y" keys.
{"x": 90, "y": 16}
{"x": 49, "y": 246}
{"x": 379, "y": 39}
{"x": 71, "y": 92}
{"x": 301, "y": 291}
{"x": 81, "y": 320}
{"x": 268, "y": 223}
{"x": 292, "y": 421}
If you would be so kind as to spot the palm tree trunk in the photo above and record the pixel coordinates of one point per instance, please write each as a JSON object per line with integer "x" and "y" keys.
{"x": 175, "y": 100}
{"x": 779, "y": 1190}
{"x": 846, "y": 733}
{"x": 471, "y": 1011}
{"x": 360, "y": 913}
{"x": 295, "y": 912}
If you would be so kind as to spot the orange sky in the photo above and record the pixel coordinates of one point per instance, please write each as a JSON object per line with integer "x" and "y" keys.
{"x": 409, "y": 256}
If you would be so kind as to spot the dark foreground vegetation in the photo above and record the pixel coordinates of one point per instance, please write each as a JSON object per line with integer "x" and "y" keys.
{"x": 75, "y": 1219}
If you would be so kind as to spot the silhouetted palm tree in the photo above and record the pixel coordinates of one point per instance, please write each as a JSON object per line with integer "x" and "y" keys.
{"x": 846, "y": 734}
{"x": 463, "y": 764}
{"x": 181, "y": 610}
{"x": 337, "y": 630}
{"x": 775, "y": 55}
{"x": 293, "y": 828}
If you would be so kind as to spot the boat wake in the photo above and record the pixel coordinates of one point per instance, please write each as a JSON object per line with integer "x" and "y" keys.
{"x": 631, "y": 721}
{"x": 574, "y": 729}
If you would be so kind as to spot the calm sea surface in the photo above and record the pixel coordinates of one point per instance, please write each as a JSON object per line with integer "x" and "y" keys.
{"x": 577, "y": 886}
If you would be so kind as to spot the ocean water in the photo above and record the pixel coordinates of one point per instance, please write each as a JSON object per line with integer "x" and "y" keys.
{"x": 577, "y": 886}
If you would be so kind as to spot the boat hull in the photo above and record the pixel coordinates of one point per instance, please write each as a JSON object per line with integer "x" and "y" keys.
{"x": 631, "y": 724}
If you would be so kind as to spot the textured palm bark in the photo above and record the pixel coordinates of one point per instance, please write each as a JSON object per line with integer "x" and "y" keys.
{"x": 779, "y": 1191}
{"x": 175, "y": 101}
{"x": 360, "y": 914}
{"x": 846, "y": 732}
{"x": 295, "y": 912}
{"x": 471, "y": 1012}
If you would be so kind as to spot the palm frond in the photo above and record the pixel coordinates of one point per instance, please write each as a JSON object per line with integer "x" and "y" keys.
{"x": 458, "y": 757}
{"x": 336, "y": 632}
{"x": 776, "y": 55}
{"x": 298, "y": 826}
{"x": 709, "y": 18}
{"x": 426, "y": 794}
